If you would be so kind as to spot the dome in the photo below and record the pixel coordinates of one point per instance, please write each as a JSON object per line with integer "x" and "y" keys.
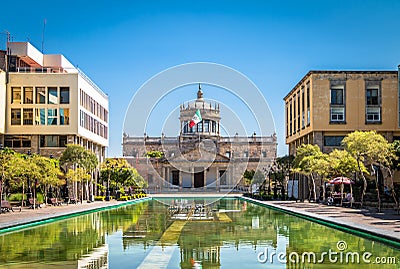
{"x": 210, "y": 116}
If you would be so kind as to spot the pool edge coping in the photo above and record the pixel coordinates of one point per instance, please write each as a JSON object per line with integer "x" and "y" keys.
{"x": 331, "y": 223}
{"x": 64, "y": 215}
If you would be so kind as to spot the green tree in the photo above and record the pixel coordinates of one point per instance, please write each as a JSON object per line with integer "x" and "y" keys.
{"x": 118, "y": 173}
{"x": 50, "y": 173}
{"x": 306, "y": 161}
{"x": 6, "y": 156}
{"x": 248, "y": 177}
{"x": 77, "y": 156}
{"x": 369, "y": 148}
{"x": 395, "y": 165}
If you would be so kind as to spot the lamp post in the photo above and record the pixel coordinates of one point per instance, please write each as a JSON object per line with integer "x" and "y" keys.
{"x": 108, "y": 184}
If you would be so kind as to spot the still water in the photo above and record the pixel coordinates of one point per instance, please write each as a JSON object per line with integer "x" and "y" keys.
{"x": 190, "y": 233}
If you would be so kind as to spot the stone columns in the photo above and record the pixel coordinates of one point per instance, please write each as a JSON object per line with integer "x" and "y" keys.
{"x": 162, "y": 178}
{"x": 205, "y": 179}
{"x": 192, "y": 174}
{"x": 167, "y": 178}
{"x": 217, "y": 180}
{"x": 180, "y": 180}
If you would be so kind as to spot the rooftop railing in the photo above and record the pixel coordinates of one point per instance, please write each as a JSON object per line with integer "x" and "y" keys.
{"x": 60, "y": 70}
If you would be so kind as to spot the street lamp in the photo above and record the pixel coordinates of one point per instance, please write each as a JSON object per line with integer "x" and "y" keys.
{"x": 108, "y": 184}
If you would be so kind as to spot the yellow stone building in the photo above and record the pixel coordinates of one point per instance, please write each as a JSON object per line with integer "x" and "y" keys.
{"x": 199, "y": 158}
{"x": 325, "y": 106}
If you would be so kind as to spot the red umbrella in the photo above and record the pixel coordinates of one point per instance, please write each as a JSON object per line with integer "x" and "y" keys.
{"x": 341, "y": 180}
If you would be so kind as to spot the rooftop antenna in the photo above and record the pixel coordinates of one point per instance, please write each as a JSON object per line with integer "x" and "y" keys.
{"x": 44, "y": 26}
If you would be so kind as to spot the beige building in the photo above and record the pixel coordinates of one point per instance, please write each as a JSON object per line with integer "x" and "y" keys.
{"x": 47, "y": 103}
{"x": 327, "y": 105}
{"x": 199, "y": 158}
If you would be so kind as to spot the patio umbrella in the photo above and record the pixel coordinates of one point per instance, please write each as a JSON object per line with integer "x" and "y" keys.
{"x": 343, "y": 181}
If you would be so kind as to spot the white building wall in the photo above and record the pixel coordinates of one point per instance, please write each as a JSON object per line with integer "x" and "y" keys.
{"x": 25, "y": 49}
{"x": 100, "y": 98}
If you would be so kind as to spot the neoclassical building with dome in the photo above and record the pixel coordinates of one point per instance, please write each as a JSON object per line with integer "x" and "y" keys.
{"x": 199, "y": 158}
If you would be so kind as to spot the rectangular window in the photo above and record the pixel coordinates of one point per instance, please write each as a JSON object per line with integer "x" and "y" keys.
{"x": 303, "y": 120}
{"x": 298, "y": 111}
{"x": 294, "y": 115}
{"x": 246, "y": 154}
{"x": 214, "y": 124}
{"x": 52, "y": 96}
{"x": 287, "y": 120}
{"x": 373, "y": 114}
{"x": 28, "y": 116}
{"x": 17, "y": 141}
{"x": 40, "y": 116}
{"x": 28, "y": 95}
{"x": 15, "y": 116}
{"x": 337, "y": 105}
{"x": 64, "y": 116}
{"x": 372, "y": 97}
{"x": 206, "y": 126}
{"x": 222, "y": 177}
{"x": 373, "y": 108}
{"x": 64, "y": 95}
{"x": 337, "y": 113}
{"x": 308, "y": 105}
{"x": 337, "y": 96}
{"x": 51, "y": 116}
{"x": 53, "y": 141}
{"x": 15, "y": 95}
{"x": 333, "y": 141}
{"x": 228, "y": 154}
{"x": 40, "y": 95}
{"x": 264, "y": 154}
{"x": 290, "y": 122}
{"x": 200, "y": 127}
{"x": 62, "y": 141}
{"x": 175, "y": 177}
{"x": 48, "y": 141}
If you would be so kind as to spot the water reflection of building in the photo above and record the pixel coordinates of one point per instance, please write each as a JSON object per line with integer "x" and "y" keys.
{"x": 205, "y": 255}
{"x": 205, "y": 241}
{"x": 199, "y": 158}
{"x": 97, "y": 259}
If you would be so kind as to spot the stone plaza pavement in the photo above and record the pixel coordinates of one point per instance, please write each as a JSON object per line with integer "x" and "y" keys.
{"x": 28, "y": 215}
{"x": 385, "y": 224}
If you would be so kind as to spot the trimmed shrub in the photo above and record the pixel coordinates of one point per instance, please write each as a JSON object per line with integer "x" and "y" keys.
{"x": 16, "y": 197}
{"x": 99, "y": 198}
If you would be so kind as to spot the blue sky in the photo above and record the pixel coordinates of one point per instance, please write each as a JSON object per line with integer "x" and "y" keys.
{"x": 122, "y": 44}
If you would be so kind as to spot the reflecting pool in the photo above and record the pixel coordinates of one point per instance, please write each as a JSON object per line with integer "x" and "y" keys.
{"x": 190, "y": 233}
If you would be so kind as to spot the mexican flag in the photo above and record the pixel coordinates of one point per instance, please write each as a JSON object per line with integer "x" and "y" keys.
{"x": 196, "y": 119}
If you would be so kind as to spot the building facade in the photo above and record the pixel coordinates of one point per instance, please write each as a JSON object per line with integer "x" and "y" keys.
{"x": 327, "y": 105}
{"x": 47, "y": 103}
{"x": 199, "y": 158}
